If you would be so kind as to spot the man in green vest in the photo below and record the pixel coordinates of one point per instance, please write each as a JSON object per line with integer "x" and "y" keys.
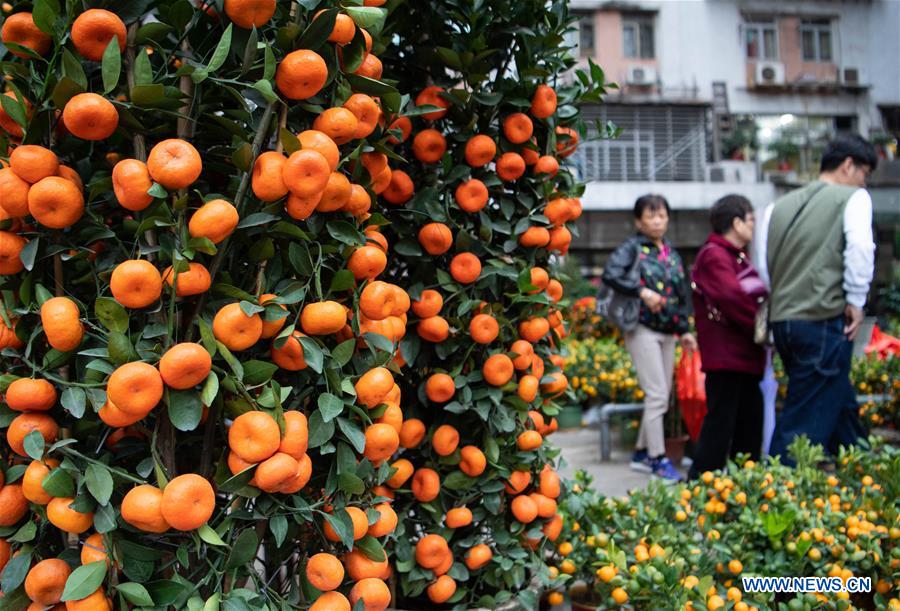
{"x": 818, "y": 254}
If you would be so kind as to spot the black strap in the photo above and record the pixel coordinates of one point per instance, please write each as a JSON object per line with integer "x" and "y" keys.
{"x": 793, "y": 220}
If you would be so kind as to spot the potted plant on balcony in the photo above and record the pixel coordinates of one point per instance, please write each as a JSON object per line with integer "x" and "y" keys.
{"x": 786, "y": 152}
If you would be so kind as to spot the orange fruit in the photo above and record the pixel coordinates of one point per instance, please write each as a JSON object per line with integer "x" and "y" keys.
{"x": 300, "y": 477}
{"x": 429, "y": 304}
{"x": 566, "y": 141}
{"x": 498, "y": 369}
{"x": 11, "y": 246}
{"x": 373, "y": 386}
{"x": 142, "y": 508}
{"x": 404, "y": 470}
{"x": 524, "y": 509}
{"x": 471, "y": 195}
{"x": 518, "y": 128}
{"x": 433, "y": 329}
{"x": 301, "y": 208}
{"x": 325, "y": 572}
{"x": 235, "y": 329}
{"x": 412, "y": 433}
{"x": 510, "y": 166}
{"x": 55, "y": 202}
{"x": 323, "y": 318}
{"x": 67, "y": 519}
{"x": 374, "y": 593}
{"x": 524, "y": 350}
{"x": 472, "y": 461}
{"x": 46, "y": 580}
{"x": 24, "y": 424}
{"x": 188, "y": 502}
{"x": 135, "y": 283}
{"x": 549, "y": 482}
{"x": 13, "y": 504}
{"x": 528, "y": 388}
{"x": 440, "y": 388}
{"x": 360, "y": 566}
{"x": 131, "y": 181}
{"x": 135, "y": 388}
{"x": 426, "y": 485}
{"x": 359, "y": 202}
{"x": 377, "y": 300}
{"x": 192, "y": 282}
{"x": 94, "y": 550}
{"x": 344, "y": 29}
{"x": 322, "y": 144}
{"x": 534, "y": 329}
{"x": 215, "y": 220}
{"x": 267, "y": 181}
{"x": 543, "y": 103}
{"x": 529, "y": 440}
{"x": 534, "y": 237}
{"x": 254, "y": 436}
{"x": 93, "y": 602}
{"x": 13, "y": 193}
{"x": 296, "y": 434}
{"x": 382, "y": 441}
{"x": 458, "y": 517}
{"x": 431, "y": 96}
{"x": 301, "y": 74}
{"x": 480, "y": 150}
{"x": 478, "y": 556}
{"x": 546, "y": 164}
{"x": 90, "y": 117}
{"x": 386, "y": 522}
{"x": 185, "y": 365}
{"x": 250, "y": 13}
{"x": 92, "y": 31}
{"x": 272, "y": 326}
{"x": 338, "y": 123}
{"x": 435, "y": 238}
{"x": 8, "y": 124}
{"x": 274, "y": 471}
{"x": 20, "y": 29}
{"x": 28, "y": 394}
{"x": 400, "y": 189}
{"x": 365, "y": 109}
{"x": 33, "y": 163}
{"x": 442, "y": 589}
{"x": 331, "y": 601}
{"x": 553, "y": 528}
{"x": 336, "y": 193}
{"x": 484, "y": 328}
{"x": 33, "y": 479}
{"x": 465, "y": 268}
{"x": 429, "y": 145}
{"x": 290, "y": 355}
{"x": 431, "y": 550}
{"x": 558, "y": 210}
{"x": 174, "y": 163}
{"x": 445, "y": 440}
{"x": 360, "y": 525}
{"x": 306, "y": 173}
{"x": 560, "y": 239}
{"x": 404, "y": 126}
{"x": 367, "y": 262}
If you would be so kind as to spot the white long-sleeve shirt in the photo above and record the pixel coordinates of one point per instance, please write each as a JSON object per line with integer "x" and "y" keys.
{"x": 859, "y": 247}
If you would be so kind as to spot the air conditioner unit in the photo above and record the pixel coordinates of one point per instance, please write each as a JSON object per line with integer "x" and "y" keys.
{"x": 851, "y": 76}
{"x": 729, "y": 171}
{"x": 769, "y": 73}
{"x": 641, "y": 75}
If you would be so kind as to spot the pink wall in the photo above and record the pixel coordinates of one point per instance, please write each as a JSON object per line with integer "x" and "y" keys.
{"x": 791, "y": 53}
{"x": 609, "y": 50}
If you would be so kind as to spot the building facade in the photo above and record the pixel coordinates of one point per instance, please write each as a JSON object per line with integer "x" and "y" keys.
{"x": 724, "y": 96}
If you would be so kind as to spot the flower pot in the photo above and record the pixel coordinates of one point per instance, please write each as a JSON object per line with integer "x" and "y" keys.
{"x": 675, "y": 448}
{"x": 569, "y": 417}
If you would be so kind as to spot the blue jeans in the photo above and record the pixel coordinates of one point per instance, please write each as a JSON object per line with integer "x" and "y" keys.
{"x": 820, "y": 401}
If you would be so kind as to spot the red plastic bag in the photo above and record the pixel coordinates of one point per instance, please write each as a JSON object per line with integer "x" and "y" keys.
{"x": 882, "y": 344}
{"x": 690, "y": 384}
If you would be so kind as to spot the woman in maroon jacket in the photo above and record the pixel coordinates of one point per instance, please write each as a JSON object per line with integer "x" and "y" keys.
{"x": 727, "y": 295}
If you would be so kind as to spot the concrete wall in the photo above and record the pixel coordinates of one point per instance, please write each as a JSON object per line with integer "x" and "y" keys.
{"x": 681, "y": 195}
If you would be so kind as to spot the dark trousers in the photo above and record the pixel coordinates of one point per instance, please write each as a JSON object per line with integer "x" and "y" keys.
{"x": 733, "y": 422}
{"x": 820, "y": 401}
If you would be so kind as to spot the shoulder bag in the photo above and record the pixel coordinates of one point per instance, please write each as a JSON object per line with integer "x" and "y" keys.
{"x": 622, "y": 310}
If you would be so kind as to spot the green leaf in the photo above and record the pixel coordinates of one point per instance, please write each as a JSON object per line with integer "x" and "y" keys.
{"x": 58, "y": 483}
{"x": 264, "y": 86}
{"x": 354, "y": 434}
{"x": 244, "y": 549}
{"x": 84, "y": 580}
{"x": 210, "y": 389}
{"x": 120, "y": 349}
{"x": 369, "y": 18}
{"x": 25, "y": 534}
{"x": 157, "y": 190}
{"x": 257, "y": 218}
{"x": 34, "y": 444}
{"x": 143, "y": 71}
{"x": 343, "y": 526}
{"x": 111, "y": 314}
{"x": 28, "y": 254}
{"x": 14, "y": 109}
{"x": 250, "y": 51}
{"x": 111, "y": 67}
{"x": 136, "y": 594}
{"x": 242, "y": 157}
{"x": 185, "y": 409}
{"x": 73, "y": 400}
{"x": 206, "y": 336}
{"x": 99, "y": 482}
{"x": 330, "y": 406}
{"x": 364, "y": 84}
{"x": 320, "y": 432}
{"x": 312, "y": 353}
{"x": 209, "y": 535}
{"x": 238, "y": 480}
{"x": 15, "y": 571}
{"x": 64, "y": 91}
{"x": 258, "y": 372}
{"x": 44, "y": 15}
{"x": 73, "y": 69}
{"x": 221, "y": 53}
{"x": 343, "y": 352}
{"x": 371, "y": 548}
{"x": 346, "y": 232}
{"x": 343, "y": 280}
{"x": 353, "y": 54}
{"x": 317, "y": 32}
{"x": 269, "y": 66}
{"x": 351, "y": 483}
{"x": 278, "y": 525}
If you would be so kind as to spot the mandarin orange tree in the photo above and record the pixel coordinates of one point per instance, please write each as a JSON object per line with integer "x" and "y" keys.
{"x": 216, "y": 228}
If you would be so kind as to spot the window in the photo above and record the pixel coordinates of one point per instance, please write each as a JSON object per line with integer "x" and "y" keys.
{"x": 815, "y": 40}
{"x": 586, "y": 34}
{"x": 637, "y": 35}
{"x": 761, "y": 40}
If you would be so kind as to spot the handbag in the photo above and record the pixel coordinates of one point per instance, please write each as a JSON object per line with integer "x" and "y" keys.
{"x": 621, "y": 310}
{"x": 762, "y": 327}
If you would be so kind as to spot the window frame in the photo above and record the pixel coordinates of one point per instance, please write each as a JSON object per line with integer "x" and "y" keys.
{"x": 760, "y": 26}
{"x": 582, "y": 17}
{"x": 637, "y": 22}
{"x": 816, "y": 28}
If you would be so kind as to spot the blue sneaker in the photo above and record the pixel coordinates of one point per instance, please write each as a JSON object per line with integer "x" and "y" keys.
{"x": 640, "y": 461}
{"x": 664, "y": 469}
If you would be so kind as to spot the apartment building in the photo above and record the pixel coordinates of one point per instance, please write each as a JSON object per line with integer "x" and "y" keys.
{"x": 722, "y": 96}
